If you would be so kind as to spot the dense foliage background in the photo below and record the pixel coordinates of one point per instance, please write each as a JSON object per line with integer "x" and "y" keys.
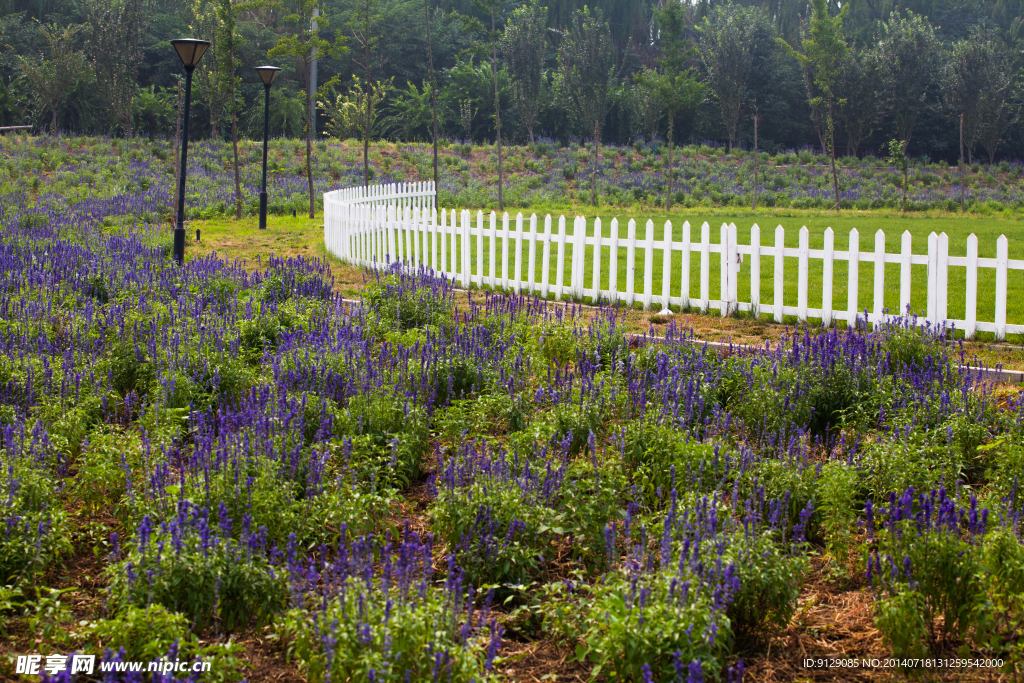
{"x": 912, "y": 69}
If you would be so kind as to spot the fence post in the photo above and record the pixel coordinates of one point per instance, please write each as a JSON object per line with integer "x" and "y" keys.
{"x": 933, "y": 267}
{"x": 705, "y": 267}
{"x": 879, "y": 302}
{"x": 560, "y": 269}
{"x": 416, "y": 236}
{"x": 504, "y": 251}
{"x": 596, "y": 298}
{"x": 725, "y": 270}
{"x": 408, "y": 227}
{"x": 443, "y": 240}
{"x": 827, "y": 264}
{"x": 579, "y": 227}
{"x": 942, "y": 281}
{"x": 666, "y": 269}
{"x": 479, "y": 275}
{"x": 366, "y": 240}
{"x": 433, "y": 239}
{"x": 546, "y": 257}
{"x": 853, "y": 281}
{"x": 465, "y": 249}
{"x": 613, "y": 263}
{"x": 648, "y": 264}
{"x": 734, "y": 270}
{"x": 630, "y": 261}
{"x": 1002, "y": 256}
{"x": 401, "y": 235}
{"x": 393, "y": 242}
{"x": 531, "y": 273}
{"x": 684, "y": 269}
{"x": 454, "y": 246}
{"x": 906, "y": 254}
{"x": 780, "y": 256}
{"x": 971, "y": 303}
{"x": 518, "y": 284}
{"x": 492, "y": 236}
{"x": 755, "y": 271}
{"x": 803, "y": 275}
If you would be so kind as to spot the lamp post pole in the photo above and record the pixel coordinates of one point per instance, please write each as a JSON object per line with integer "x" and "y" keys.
{"x": 190, "y": 52}
{"x": 267, "y": 74}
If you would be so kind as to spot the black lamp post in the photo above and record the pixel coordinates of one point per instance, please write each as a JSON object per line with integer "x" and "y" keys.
{"x": 267, "y": 74}
{"x": 190, "y": 51}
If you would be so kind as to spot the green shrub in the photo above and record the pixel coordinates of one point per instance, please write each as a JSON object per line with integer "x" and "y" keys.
{"x": 37, "y": 531}
{"x": 223, "y": 582}
{"x": 659, "y": 459}
{"x": 901, "y": 619}
{"x": 838, "y": 487}
{"x": 408, "y": 301}
{"x": 770, "y": 580}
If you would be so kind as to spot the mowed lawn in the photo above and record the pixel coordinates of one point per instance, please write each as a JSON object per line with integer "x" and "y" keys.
{"x": 287, "y": 236}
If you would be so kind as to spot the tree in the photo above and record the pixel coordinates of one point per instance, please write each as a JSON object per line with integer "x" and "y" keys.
{"x": 824, "y": 53}
{"x": 586, "y": 66}
{"x": 998, "y": 107}
{"x": 523, "y": 48}
{"x": 491, "y": 7}
{"x": 228, "y": 42}
{"x": 738, "y": 53}
{"x": 303, "y": 45}
{"x": 905, "y": 56}
{"x": 898, "y": 159}
{"x": 646, "y": 103}
{"x": 411, "y": 113}
{"x": 346, "y": 116}
{"x": 203, "y": 21}
{"x": 118, "y": 27}
{"x": 962, "y": 81}
{"x": 433, "y": 89}
{"x": 364, "y": 24}
{"x": 856, "y": 88}
{"x": 52, "y": 80}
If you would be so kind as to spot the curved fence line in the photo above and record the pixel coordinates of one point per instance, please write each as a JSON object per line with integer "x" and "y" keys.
{"x": 382, "y": 224}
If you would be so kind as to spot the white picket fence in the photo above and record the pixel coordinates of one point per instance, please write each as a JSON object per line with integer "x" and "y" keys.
{"x": 379, "y": 225}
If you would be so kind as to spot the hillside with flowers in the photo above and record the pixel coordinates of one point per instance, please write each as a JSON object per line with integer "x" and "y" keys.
{"x": 230, "y": 462}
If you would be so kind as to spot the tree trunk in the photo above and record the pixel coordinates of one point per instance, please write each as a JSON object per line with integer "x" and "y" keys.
{"x": 177, "y": 158}
{"x": 497, "y": 112}
{"x": 433, "y": 91}
{"x": 234, "y": 138}
{"x": 593, "y": 175}
{"x": 309, "y": 153}
{"x": 906, "y": 169}
{"x": 53, "y": 124}
{"x": 368, "y": 93}
{"x": 757, "y": 119}
{"x": 832, "y": 154}
{"x": 366, "y": 142}
{"x": 529, "y": 130}
{"x": 962, "y": 209}
{"x": 671, "y": 174}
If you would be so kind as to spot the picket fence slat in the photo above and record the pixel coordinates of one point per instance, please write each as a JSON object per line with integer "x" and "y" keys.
{"x": 400, "y": 223}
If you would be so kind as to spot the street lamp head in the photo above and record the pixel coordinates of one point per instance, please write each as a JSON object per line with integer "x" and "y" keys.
{"x": 190, "y": 51}
{"x": 267, "y": 74}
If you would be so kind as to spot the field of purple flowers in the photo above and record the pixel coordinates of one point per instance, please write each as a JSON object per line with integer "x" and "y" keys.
{"x": 209, "y": 462}
{"x": 137, "y": 176}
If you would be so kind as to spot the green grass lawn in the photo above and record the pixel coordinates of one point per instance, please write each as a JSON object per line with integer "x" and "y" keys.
{"x": 987, "y": 228}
